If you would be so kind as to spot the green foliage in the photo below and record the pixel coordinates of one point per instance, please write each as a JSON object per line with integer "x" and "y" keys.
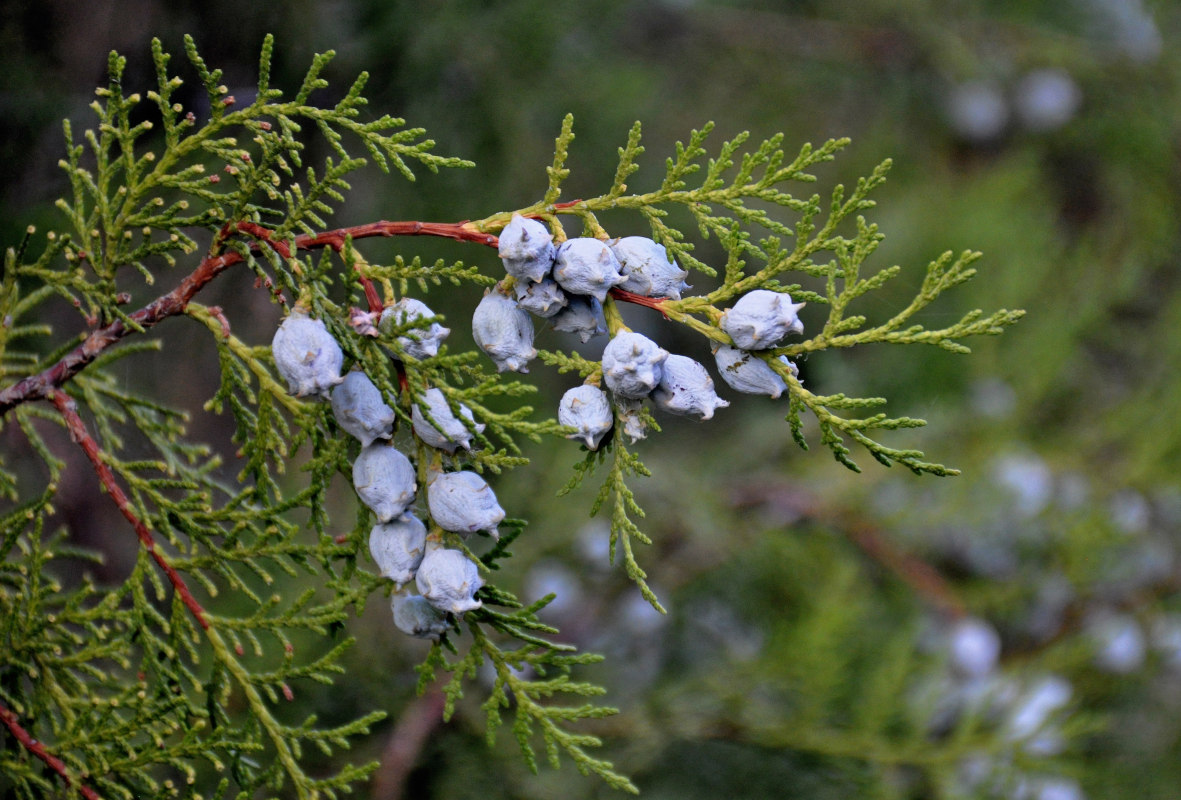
{"x": 185, "y": 667}
{"x": 741, "y": 184}
{"x": 869, "y": 704}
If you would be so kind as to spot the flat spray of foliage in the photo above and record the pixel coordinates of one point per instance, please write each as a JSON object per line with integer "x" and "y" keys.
{"x": 167, "y": 683}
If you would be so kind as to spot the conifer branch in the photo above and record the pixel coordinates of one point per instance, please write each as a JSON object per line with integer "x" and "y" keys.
{"x": 265, "y": 210}
{"x": 39, "y": 386}
{"x": 459, "y": 231}
{"x": 39, "y": 750}
{"x": 36, "y": 387}
{"x": 655, "y": 303}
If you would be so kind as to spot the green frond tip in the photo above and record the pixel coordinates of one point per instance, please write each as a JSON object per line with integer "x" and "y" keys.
{"x": 558, "y": 172}
{"x": 569, "y": 362}
{"x": 532, "y": 712}
{"x": 834, "y": 427}
{"x": 312, "y": 80}
{"x": 623, "y": 465}
{"x": 627, "y": 161}
{"x": 264, "y": 65}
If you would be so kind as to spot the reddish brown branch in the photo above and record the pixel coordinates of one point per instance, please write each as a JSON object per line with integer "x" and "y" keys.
{"x": 255, "y": 230}
{"x": 37, "y": 749}
{"x": 36, "y": 387}
{"x": 920, "y": 576}
{"x": 77, "y": 428}
{"x": 656, "y": 303}
{"x": 260, "y": 232}
{"x": 460, "y": 231}
{"x": 371, "y": 295}
{"x": 417, "y": 723}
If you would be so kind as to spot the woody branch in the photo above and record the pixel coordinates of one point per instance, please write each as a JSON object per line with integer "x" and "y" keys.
{"x": 41, "y": 385}
{"x": 39, "y": 750}
{"x": 78, "y": 432}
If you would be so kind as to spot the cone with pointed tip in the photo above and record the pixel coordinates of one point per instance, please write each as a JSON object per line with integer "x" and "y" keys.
{"x": 632, "y": 365}
{"x": 542, "y": 299}
{"x": 384, "y": 480}
{"x": 398, "y": 546}
{"x": 360, "y": 409}
{"x": 447, "y": 432}
{"x": 761, "y": 318}
{"x": 527, "y": 249}
{"x": 586, "y": 408}
{"x": 449, "y": 580}
{"x": 583, "y": 316}
{"x": 745, "y": 372}
{"x": 463, "y": 502}
{"x": 504, "y": 332}
{"x": 648, "y": 269}
{"x": 306, "y": 355}
{"x": 587, "y": 266}
{"x": 686, "y": 389}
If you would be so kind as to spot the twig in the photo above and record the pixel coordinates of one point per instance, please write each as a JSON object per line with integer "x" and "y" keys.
{"x": 255, "y": 230}
{"x": 924, "y": 579}
{"x": 39, "y": 386}
{"x": 37, "y": 749}
{"x": 77, "y": 428}
{"x": 460, "y": 231}
{"x": 656, "y": 303}
{"x": 915, "y": 572}
{"x": 371, "y": 295}
{"x": 36, "y": 387}
{"x": 420, "y": 718}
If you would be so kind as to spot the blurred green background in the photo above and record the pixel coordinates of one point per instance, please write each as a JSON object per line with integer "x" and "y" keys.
{"x": 1045, "y": 134}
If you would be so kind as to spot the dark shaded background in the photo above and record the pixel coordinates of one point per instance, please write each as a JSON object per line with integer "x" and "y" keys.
{"x": 1044, "y": 133}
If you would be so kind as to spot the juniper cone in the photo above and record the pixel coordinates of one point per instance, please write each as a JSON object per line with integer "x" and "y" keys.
{"x": 632, "y": 365}
{"x": 587, "y": 266}
{"x": 449, "y": 580}
{"x": 975, "y": 647}
{"x": 503, "y": 331}
{"x": 306, "y": 355}
{"x": 745, "y": 372}
{"x": 760, "y": 319}
{"x": 448, "y": 432}
{"x": 648, "y": 269}
{"x": 463, "y": 502}
{"x": 419, "y": 343}
{"x": 581, "y": 315}
{"x": 543, "y": 299}
{"x": 527, "y": 249}
{"x": 360, "y": 410}
{"x": 686, "y": 388}
{"x": 635, "y": 427}
{"x": 588, "y": 409}
{"x": 384, "y": 480}
{"x": 398, "y": 546}
{"x": 415, "y": 616}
